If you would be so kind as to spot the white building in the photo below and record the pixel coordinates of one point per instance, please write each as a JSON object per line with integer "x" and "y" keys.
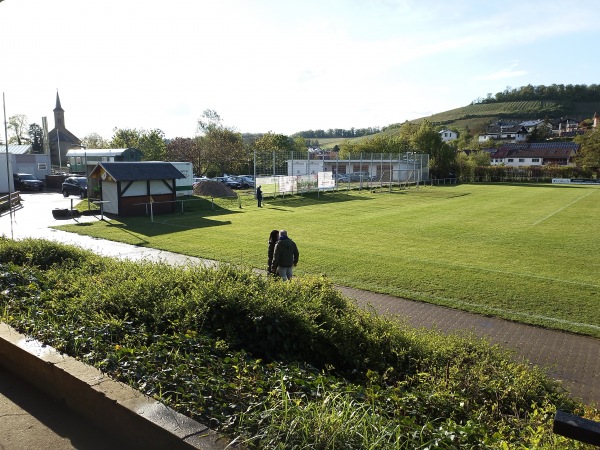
{"x": 535, "y": 154}
{"x": 448, "y": 135}
{"x": 505, "y": 133}
{"x": 406, "y": 167}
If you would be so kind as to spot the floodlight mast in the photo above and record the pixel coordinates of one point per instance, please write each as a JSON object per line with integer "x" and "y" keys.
{"x": 8, "y": 175}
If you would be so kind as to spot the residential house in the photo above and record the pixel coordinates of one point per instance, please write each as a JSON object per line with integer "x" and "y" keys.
{"x": 531, "y": 125}
{"x": 513, "y": 133}
{"x": 566, "y": 127}
{"x": 535, "y": 154}
{"x": 448, "y": 135}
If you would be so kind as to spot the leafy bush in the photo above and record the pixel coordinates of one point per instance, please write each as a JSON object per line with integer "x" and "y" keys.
{"x": 273, "y": 364}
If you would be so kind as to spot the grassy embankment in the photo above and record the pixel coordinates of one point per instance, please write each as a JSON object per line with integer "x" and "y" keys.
{"x": 277, "y": 365}
{"x": 520, "y": 252}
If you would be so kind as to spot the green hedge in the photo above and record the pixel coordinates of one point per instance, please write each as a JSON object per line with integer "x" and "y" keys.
{"x": 274, "y": 364}
{"x": 530, "y": 173}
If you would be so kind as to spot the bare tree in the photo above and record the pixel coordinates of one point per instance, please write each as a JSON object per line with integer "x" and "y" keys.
{"x": 18, "y": 125}
{"x": 94, "y": 140}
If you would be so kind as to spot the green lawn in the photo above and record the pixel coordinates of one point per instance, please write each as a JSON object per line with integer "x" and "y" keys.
{"x": 523, "y": 252}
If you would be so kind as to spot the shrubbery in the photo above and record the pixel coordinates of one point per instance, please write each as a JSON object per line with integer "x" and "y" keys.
{"x": 530, "y": 173}
{"x": 273, "y": 364}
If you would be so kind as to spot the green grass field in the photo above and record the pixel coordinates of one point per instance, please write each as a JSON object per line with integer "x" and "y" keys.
{"x": 523, "y": 252}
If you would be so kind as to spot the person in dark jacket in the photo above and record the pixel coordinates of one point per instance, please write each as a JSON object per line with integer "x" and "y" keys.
{"x": 285, "y": 256}
{"x": 259, "y": 196}
{"x": 273, "y": 238}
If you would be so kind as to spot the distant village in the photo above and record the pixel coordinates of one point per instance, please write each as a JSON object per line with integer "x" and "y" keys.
{"x": 511, "y": 146}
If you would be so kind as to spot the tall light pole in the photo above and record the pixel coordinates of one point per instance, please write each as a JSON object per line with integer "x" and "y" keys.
{"x": 8, "y": 175}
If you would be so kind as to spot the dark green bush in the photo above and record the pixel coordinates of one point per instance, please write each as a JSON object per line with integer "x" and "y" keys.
{"x": 279, "y": 365}
{"x": 40, "y": 253}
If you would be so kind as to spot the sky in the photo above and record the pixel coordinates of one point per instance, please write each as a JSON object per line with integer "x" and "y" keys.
{"x": 281, "y": 65}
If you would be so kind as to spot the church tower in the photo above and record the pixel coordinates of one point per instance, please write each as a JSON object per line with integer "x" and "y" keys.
{"x": 59, "y": 115}
{"x": 60, "y": 139}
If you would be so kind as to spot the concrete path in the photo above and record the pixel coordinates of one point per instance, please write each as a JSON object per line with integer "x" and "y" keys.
{"x": 30, "y": 419}
{"x": 571, "y": 358}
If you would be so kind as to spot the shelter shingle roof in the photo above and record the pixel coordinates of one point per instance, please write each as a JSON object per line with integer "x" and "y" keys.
{"x": 137, "y": 171}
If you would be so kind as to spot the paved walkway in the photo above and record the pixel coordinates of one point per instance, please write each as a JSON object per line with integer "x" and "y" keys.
{"x": 571, "y": 358}
{"x": 30, "y": 419}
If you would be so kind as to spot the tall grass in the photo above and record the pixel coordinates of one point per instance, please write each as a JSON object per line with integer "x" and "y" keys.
{"x": 521, "y": 252}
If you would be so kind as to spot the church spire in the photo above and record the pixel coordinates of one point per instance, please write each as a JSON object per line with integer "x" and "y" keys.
{"x": 57, "y": 101}
{"x": 59, "y": 115}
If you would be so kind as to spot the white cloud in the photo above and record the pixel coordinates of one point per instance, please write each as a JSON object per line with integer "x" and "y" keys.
{"x": 502, "y": 74}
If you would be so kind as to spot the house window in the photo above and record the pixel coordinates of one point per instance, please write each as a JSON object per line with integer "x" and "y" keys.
{"x": 535, "y": 160}
{"x": 521, "y": 160}
{"x": 42, "y": 166}
{"x": 510, "y": 160}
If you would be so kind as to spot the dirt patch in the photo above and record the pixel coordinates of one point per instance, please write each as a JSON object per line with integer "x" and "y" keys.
{"x": 213, "y": 189}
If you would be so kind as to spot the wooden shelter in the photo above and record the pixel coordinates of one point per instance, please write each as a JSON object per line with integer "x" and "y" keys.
{"x": 128, "y": 188}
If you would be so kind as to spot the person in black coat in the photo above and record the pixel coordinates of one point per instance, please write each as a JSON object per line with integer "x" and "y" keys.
{"x": 285, "y": 256}
{"x": 259, "y": 196}
{"x": 273, "y": 238}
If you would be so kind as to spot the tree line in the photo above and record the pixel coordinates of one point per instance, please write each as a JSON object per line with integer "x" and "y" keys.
{"x": 217, "y": 149}
{"x": 557, "y": 92}
{"x": 337, "y": 133}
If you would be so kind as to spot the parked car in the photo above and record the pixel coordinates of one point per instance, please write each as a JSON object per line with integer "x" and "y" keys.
{"x": 26, "y": 181}
{"x": 75, "y": 186}
{"x": 229, "y": 181}
{"x": 234, "y": 182}
{"x": 247, "y": 181}
{"x": 199, "y": 180}
{"x": 360, "y": 176}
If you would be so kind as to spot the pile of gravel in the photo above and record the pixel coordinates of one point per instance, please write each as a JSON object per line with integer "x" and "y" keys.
{"x": 213, "y": 189}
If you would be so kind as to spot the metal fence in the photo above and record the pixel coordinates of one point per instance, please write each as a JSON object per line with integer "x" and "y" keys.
{"x": 299, "y": 172}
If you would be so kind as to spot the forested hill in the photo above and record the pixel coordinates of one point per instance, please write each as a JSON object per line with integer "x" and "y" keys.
{"x": 524, "y": 103}
{"x": 557, "y": 92}
{"x": 518, "y": 104}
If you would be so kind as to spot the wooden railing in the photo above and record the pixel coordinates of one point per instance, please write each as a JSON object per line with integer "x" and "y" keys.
{"x": 7, "y": 202}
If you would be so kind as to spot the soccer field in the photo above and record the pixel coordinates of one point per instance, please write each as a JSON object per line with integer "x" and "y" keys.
{"x": 523, "y": 252}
